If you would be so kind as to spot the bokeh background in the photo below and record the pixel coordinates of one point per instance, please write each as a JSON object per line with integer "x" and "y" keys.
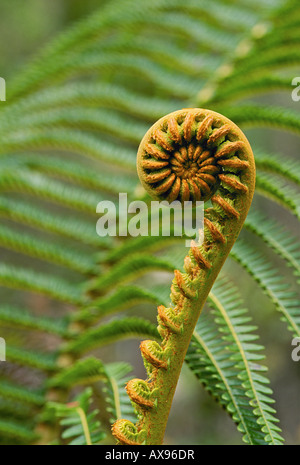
{"x": 195, "y": 418}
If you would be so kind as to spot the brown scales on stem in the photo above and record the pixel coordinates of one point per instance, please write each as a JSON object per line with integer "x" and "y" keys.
{"x": 196, "y": 155}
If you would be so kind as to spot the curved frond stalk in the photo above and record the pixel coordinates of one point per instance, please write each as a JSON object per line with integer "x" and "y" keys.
{"x": 226, "y": 174}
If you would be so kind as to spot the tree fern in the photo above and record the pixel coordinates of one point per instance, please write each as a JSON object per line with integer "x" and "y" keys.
{"x": 69, "y": 134}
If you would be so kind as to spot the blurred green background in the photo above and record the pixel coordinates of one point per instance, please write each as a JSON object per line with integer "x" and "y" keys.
{"x": 27, "y": 26}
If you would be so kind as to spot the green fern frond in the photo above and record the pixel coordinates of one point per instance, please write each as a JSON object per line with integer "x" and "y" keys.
{"x": 275, "y": 188}
{"x": 118, "y": 402}
{"x": 230, "y": 370}
{"x": 287, "y": 167}
{"x": 105, "y": 121}
{"x": 21, "y": 318}
{"x": 141, "y": 245}
{"x": 67, "y": 139}
{"x": 80, "y": 425}
{"x": 111, "y": 332}
{"x": 123, "y": 298}
{"x": 86, "y": 371}
{"x": 30, "y": 280}
{"x": 128, "y": 269}
{"x": 70, "y": 127}
{"x": 54, "y": 253}
{"x": 21, "y": 394}
{"x": 259, "y": 115}
{"x": 29, "y": 358}
{"x": 286, "y": 301}
{"x": 77, "y": 173}
{"x": 254, "y": 86}
{"x": 17, "y": 431}
{"x": 108, "y": 95}
{"x": 41, "y": 186}
{"x": 35, "y": 216}
{"x": 278, "y": 238}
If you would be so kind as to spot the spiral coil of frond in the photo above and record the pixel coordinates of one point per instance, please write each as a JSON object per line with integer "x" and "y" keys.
{"x": 191, "y": 154}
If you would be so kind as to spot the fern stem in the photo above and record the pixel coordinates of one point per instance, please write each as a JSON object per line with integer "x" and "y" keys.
{"x": 225, "y": 174}
{"x": 85, "y": 426}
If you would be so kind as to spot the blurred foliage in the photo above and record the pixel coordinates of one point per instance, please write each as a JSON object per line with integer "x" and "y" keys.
{"x": 69, "y": 133}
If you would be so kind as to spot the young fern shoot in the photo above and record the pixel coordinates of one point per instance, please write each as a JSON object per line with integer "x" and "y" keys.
{"x": 197, "y": 155}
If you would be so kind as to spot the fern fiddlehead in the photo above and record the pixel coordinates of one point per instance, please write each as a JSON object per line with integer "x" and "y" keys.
{"x": 191, "y": 154}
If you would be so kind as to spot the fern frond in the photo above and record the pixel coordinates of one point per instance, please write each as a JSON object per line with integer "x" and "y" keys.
{"x": 27, "y": 213}
{"x": 123, "y": 298}
{"x": 111, "y": 332}
{"x": 277, "y": 237}
{"x": 268, "y": 116}
{"x": 77, "y": 173}
{"x": 41, "y": 361}
{"x": 69, "y": 132}
{"x": 254, "y": 85}
{"x": 21, "y": 318}
{"x": 105, "y": 121}
{"x": 227, "y": 16}
{"x": 80, "y": 425}
{"x": 92, "y": 94}
{"x": 270, "y": 281}
{"x": 54, "y": 253}
{"x": 85, "y": 371}
{"x": 36, "y": 184}
{"x": 230, "y": 370}
{"x": 21, "y": 394}
{"x": 128, "y": 269}
{"x": 140, "y": 245}
{"x": 29, "y": 280}
{"x": 287, "y": 167}
{"x": 275, "y": 188}
{"x": 175, "y": 85}
{"x": 67, "y": 140}
{"x": 172, "y": 55}
{"x": 118, "y": 402}
{"x": 13, "y": 430}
